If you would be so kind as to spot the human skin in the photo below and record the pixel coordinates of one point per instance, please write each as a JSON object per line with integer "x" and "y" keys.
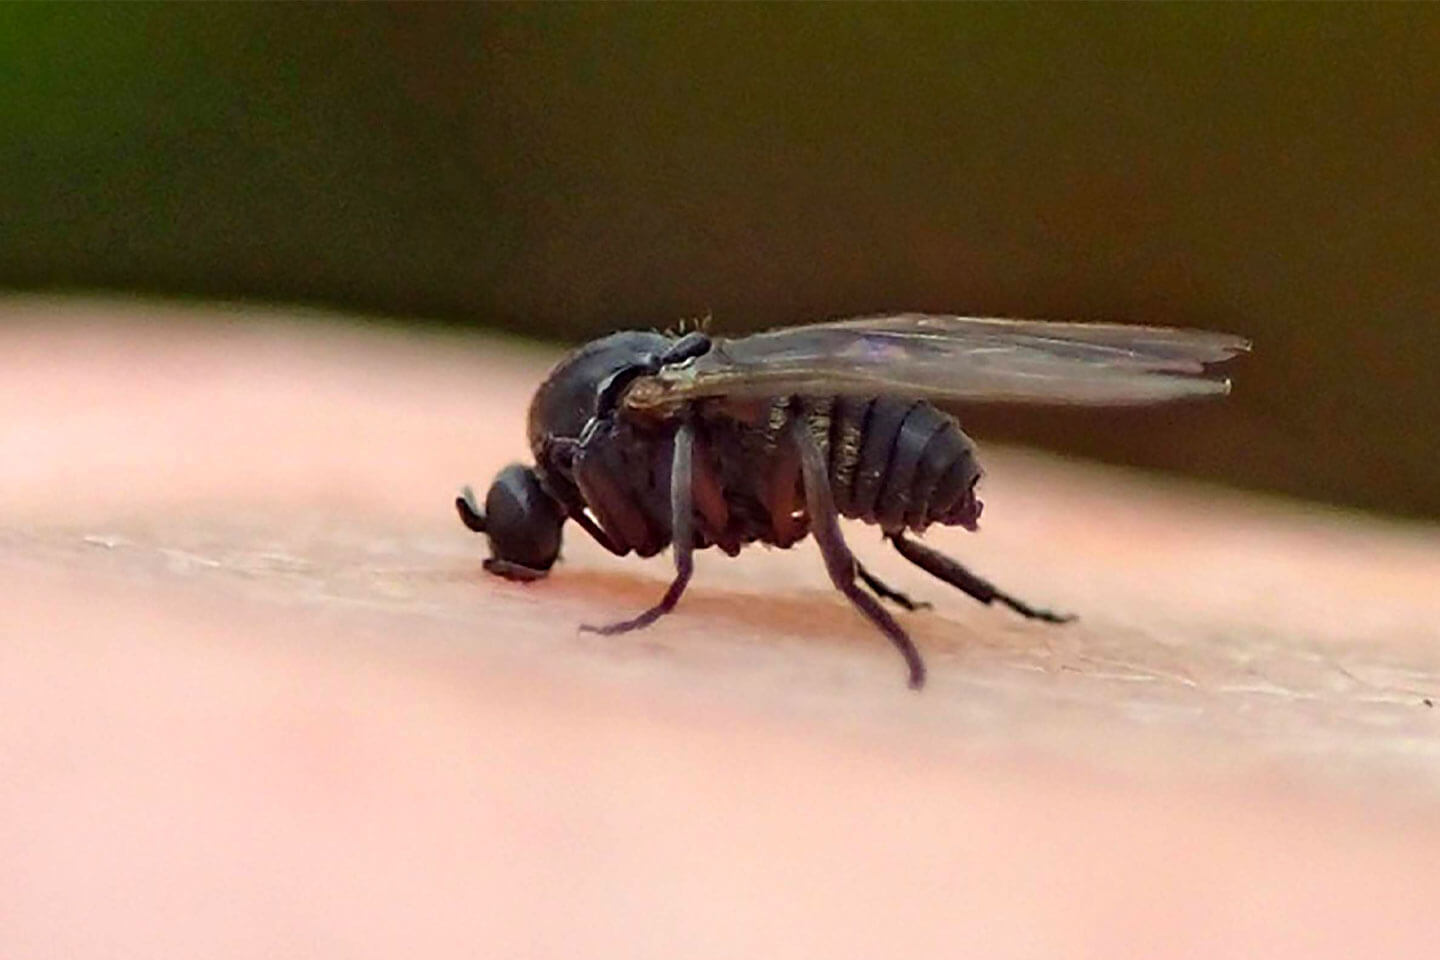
{"x": 258, "y": 698}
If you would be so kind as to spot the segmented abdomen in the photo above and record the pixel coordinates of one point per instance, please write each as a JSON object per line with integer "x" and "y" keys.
{"x": 901, "y": 463}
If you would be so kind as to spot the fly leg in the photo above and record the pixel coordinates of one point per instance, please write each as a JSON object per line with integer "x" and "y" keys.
{"x": 839, "y": 561}
{"x": 563, "y": 451}
{"x": 938, "y": 565}
{"x": 595, "y": 531}
{"x": 886, "y": 592}
{"x": 682, "y": 536}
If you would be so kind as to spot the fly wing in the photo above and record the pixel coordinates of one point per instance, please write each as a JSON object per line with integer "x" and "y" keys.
{"x": 952, "y": 361}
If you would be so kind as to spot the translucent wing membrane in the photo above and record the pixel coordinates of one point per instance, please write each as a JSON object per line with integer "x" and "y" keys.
{"x": 952, "y": 361}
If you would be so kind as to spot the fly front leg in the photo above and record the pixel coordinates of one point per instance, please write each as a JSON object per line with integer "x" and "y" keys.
{"x": 682, "y": 526}
{"x": 596, "y": 533}
{"x": 938, "y": 565}
{"x": 840, "y": 563}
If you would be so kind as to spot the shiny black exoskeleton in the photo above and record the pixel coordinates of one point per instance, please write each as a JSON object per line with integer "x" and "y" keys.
{"x": 718, "y": 473}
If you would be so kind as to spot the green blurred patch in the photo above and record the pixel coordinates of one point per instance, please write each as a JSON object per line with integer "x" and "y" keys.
{"x": 560, "y": 170}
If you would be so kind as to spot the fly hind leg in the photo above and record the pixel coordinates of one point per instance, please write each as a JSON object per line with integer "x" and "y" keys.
{"x": 938, "y": 565}
{"x": 682, "y": 537}
{"x": 839, "y": 561}
{"x": 886, "y": 592}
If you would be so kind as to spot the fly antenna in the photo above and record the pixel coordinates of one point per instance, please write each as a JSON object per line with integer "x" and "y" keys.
{"x": 469, "y": 510}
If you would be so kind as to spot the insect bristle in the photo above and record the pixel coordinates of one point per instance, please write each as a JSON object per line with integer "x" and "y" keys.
{"x": 685, "y": 324}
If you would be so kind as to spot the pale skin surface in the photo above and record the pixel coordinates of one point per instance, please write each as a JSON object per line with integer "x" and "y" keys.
{"x": 257, "y": 697}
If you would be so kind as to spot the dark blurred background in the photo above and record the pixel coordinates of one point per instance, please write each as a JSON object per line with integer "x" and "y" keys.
{"x": 561, "y": 171}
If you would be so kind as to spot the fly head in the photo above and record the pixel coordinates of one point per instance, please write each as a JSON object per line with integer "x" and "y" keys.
{"x": 521, "y": 520}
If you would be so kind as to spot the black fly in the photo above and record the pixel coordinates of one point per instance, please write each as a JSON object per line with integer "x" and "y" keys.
{"x": 649, "y": 440}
